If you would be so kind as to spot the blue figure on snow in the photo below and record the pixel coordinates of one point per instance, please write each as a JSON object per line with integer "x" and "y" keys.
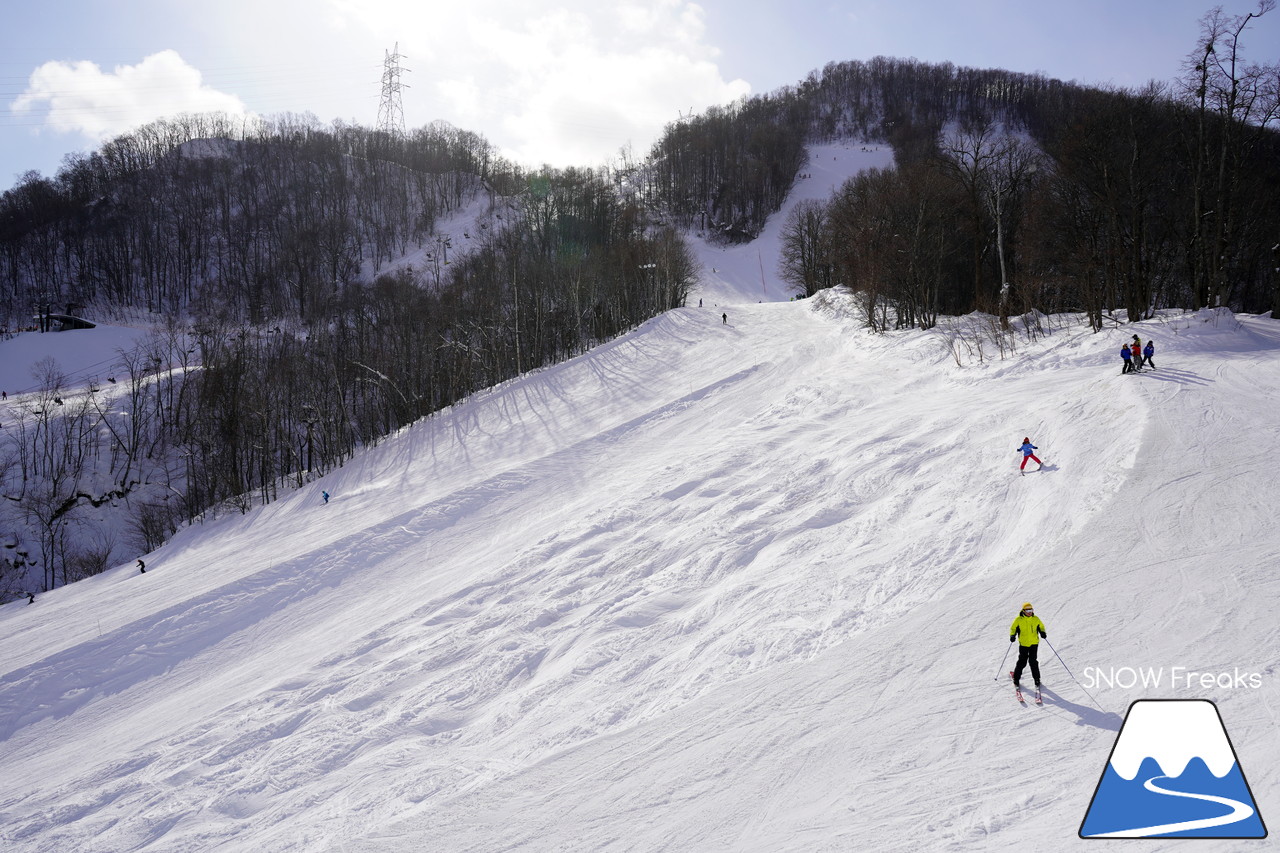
{"x": 1127, "y": 355}
{"x": 1029, "y": 452}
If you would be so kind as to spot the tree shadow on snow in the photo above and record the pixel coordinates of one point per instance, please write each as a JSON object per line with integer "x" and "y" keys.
{"x": 1086, "y": 716}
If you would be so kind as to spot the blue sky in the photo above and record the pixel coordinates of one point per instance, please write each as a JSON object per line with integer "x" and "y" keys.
{"x": 567, "y": 82}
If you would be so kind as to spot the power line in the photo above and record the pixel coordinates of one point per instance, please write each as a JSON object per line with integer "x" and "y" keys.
{"x": 391, "y": 109}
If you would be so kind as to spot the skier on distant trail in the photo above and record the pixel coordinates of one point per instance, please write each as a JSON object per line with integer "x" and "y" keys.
{"x": 142, "y": 567}
{"x": 1027, "y": 629}
{"x": 1148, "y": 352}
{"x": 1028, "y": 452}
{"x": 1127, "y": 355}
{"x": 724, "y": 318}
{"x": 325, "y": 495}
{"x": 1136, "y": 347}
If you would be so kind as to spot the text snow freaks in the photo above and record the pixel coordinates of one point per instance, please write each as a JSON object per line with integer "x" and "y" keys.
{"x": 1174, "y": 678}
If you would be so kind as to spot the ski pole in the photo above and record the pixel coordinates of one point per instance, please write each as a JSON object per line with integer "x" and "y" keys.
{"x": 1005, "y": 658}
{"x": 1061, "y": 661}
{"x": 1069, "y": 672}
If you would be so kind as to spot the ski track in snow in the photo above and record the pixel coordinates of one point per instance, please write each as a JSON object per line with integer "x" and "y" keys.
{"x": 708, "y": 587}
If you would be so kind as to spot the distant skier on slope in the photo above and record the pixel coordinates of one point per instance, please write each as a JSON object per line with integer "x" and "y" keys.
{"x": 1028, "y": 452}
{"x": 1127, "y": 355}
{"x": 1027, "y": 629}
{"x": 1148, "y": 353}
{"x": 1136, "y": 348}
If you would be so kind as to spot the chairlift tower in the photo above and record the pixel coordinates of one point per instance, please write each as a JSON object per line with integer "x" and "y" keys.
{"x": 391, "y": 109}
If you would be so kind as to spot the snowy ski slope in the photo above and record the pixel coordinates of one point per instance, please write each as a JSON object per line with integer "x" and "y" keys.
{"x": 710, "y": 587}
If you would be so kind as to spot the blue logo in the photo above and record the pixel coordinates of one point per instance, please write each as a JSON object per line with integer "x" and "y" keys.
{"x": 1173, "y": 773}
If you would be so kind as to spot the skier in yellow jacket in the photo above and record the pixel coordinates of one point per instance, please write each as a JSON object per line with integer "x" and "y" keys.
{"x": 1027, "y": 629}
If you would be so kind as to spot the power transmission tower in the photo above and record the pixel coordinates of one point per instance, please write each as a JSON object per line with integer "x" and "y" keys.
{"x": 391, "y": 110}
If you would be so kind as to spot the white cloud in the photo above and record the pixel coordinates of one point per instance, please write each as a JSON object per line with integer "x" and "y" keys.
{"x": 566, "y": 82}
{"x": 81, "y": 97}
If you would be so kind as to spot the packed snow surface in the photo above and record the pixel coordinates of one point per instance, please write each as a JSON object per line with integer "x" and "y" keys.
{"x": 713, "y": 586}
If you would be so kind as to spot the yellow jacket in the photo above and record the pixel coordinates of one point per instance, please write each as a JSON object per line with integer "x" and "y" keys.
{"x": 1028, "y": 630}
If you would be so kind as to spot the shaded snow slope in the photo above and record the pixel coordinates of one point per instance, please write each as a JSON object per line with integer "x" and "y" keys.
{"x": 748, "y": 272}
{"x": 80, "y": 355}
{"x": 708, "y": 587}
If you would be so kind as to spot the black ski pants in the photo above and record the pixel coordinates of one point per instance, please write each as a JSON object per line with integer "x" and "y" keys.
{"x": 1027, "y": 655}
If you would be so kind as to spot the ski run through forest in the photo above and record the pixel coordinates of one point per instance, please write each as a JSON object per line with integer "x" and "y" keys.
{"x": 740, "y": 580}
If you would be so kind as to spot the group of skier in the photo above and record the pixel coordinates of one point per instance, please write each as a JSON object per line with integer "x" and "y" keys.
{"x": 1027, "y": 628}
{"x": 1135, "y": 355}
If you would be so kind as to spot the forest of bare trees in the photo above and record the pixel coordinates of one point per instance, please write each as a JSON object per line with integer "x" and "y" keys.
{"x": 269, "y": 255}
{"x": 289, "y": 340}
{"x": 1011, "y": 192}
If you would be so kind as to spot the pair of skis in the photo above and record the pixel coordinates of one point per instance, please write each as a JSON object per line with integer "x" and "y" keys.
{"x": 1017, "y": 689}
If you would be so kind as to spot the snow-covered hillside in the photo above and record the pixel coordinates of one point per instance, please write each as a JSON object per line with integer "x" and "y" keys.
{"x": 713, "y": 586}
{"x": 748, "y": 272}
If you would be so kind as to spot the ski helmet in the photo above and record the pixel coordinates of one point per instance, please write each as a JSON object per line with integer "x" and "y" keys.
{"x": 1026, "y": 605}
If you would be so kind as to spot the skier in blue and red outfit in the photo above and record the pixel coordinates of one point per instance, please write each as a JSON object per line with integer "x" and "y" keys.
{"x": 1027, "y": 629}
{"x": 1028, "y": 452}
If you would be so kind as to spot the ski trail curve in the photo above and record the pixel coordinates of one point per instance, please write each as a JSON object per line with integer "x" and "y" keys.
{"x": 1239, "y": 812}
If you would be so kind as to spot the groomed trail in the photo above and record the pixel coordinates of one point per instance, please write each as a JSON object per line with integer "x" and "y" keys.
{"x": 711, "y": 586}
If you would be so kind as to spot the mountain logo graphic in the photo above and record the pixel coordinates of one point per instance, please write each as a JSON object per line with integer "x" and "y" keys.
{"x": 1173, "y": 773}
